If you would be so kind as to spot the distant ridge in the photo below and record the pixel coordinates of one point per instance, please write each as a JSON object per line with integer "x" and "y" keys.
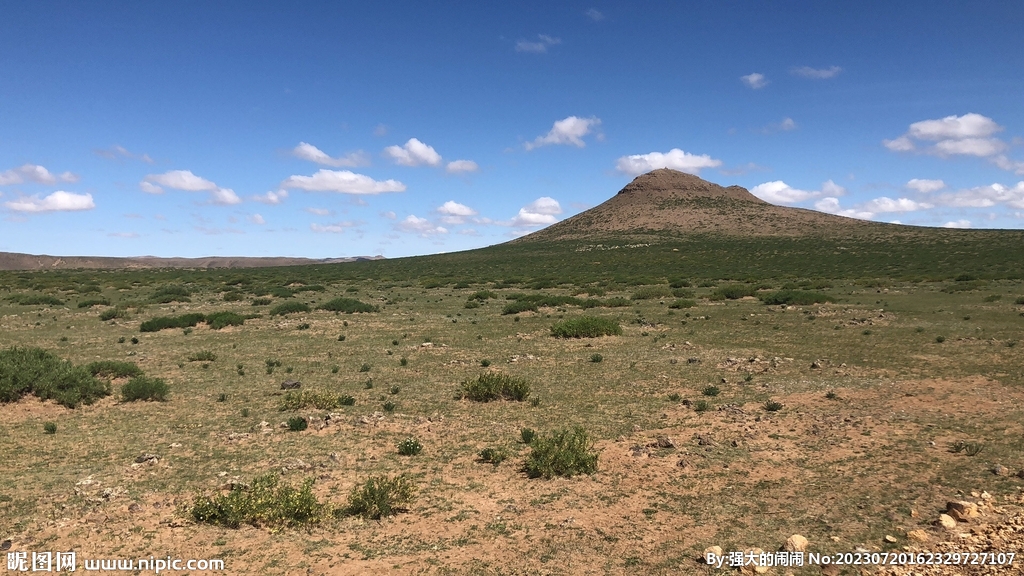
{"x": 668, "y": 202}
{"x": 17, "y": 261}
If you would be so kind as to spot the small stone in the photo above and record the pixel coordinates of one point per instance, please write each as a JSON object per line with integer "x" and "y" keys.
{"x": 692, "y": 360}
{"x": 831, "y": 570}
{"x": 716, "y": 550}
{"x": 795, "y": 543}
{"x": 6, "y": 545}
{"x": 986, "y": 496}
{"x": 816, "y": 365}
{"x": 665, "y": 442}
{"x": 835, "y": 538}
{"x": 1000, "y": 470}
{"x": 291, "y": 385}
{"x": 153, "y": 458}
{"x": 682, "y": 464}
{"x": 962, "y": 510}
{"x": 914, "y": 513}
{"x": 947, "y": 521}
{"x": 724, "y": 381}
{"x": 134, "y": 508}
{"x": 918, "y": 535}
{"x": 890, "y": 538}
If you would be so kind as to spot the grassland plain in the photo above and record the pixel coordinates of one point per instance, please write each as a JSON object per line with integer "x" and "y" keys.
{"x": 875, "y": 388}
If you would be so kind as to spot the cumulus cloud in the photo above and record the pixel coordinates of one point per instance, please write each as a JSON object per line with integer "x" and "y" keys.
{"x": 320, "y": 211}
{"x": 778, "y": 192}
{"x": 257, "y": 219}
{"x": 150, "y": 188}
{"x": 413, "y": 153}
{"x": 569, "y": 131}
{"x": 335, "y": 228}
{"x": 271, "y": 197}
{"x": 984, "y": 196}
{"x": 755, "y": 80}
{"x": 594, "y": 14}
{"x": 59, "y": 201}
{"x": 120, "y": 152}
{"x": 181, "y": 180}
{"x": 313, "y": 154}
{"x": 871, "y": 208}
{"x": 390, "y": 215}
{"x": 454, "y": 213}
{"x": 831, "y": 206}
{"x": 817, "y": 73}
{"x": 124, "y": 234}
{"x": 224, "y": 197}
{"x": 675, "y": 159}
{"x": 1015, "y": 166}
{"x": 957, "y": 224}
{"x": 342, "y": 181}
{"x": 34, "y": 173}
{"x": 538, "y": 46}
{"x": 415, "y": 225}
{"x": 540, "y": 212}
{"x": 967, "y": 135}
{"x": 460, "y": 166}
{"x": 925, "y": 186}
{"x": 785, "y": 125}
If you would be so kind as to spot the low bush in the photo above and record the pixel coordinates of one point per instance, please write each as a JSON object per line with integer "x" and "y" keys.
{"x": 265, "y": 502}
{"x": 732, "y": 292}
{"x": 113, "y": 369}
{"x": 493, "y": 455}
{"x": 218, "y": 320}
{"x": 144, "y": 388}
{"x": 585, "y": 327}
{"x": 596, "y": 358}
{"x": 495, "y": 386}
{"x": 993, "y": 298}
{"x": 261, "y": 301}
{"x": 89, "y": 303}
{"x": 796, "y": 297}
{"x": 409, "y": 447}
{"x": 346, "y": 305}
{"x": 527, "y": 435}
{"x": 164, "y": 322}
{"x": 233, "y": 296}
{"x": 652, "y": 292}
{"x": 118, "y": 312}
{"x": 773, "y": 406}
{"x": 297, "y": 424}
{"x": 563, "y": 453}
{"x": 381, "y": 496}
{"x": 281, "y": 292}
{"x": 482, "y": 295}
{"x": 711, "y": 391}
{"x": 50, "y": 427}
{"x": 682, "y": 303}
{"x": 43, "y": 374}
{"x": 202, "y": 356}
{"x": 1019, "y": 301}
{"x": 321, "y": 399}
{"x": 34, "y": 300}
{"x": 289, "y": 308}
{"x": 684, "y": 293}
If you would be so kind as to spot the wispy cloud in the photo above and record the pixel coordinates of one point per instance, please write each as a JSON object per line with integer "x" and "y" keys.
{"x": 121, "y": 153}
{"x": 186, "y": 181}
{"x": 538, "y": 46}
{"x": 461, "y": 167}
{"x": 415, "y": 225}
{"x": 816, "y": 73}
{"x": 594, "y": 14}
{"x": 34, "y": 173}
{"x": 311, "y": 153}
{"x": 755, "y": 80}
{"x": 270, "y": 197}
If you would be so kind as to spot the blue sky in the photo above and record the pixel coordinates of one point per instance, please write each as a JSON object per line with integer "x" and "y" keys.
{"x": 343, "y": 129}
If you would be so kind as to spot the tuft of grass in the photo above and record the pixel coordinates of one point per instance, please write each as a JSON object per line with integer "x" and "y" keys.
{"x": 674, "y": 397}
{"x": 365, "y": 367}
{"x": 683, "y": 303}
{"x": 291, "y": 307}
{"x": 265, "y": 502}
{"x": 90, "y": 302}
{"x": 218, "y": 320}
{"x": 50, "y": 427}
{"x": 117, "y": 312}
{"x": 347, "y": 305}
{"x": 202, "y": 356}
{"x": 34, "y": 300}
{"x": 596, "y": 357}
{"x": 796, "y": 297}
{"x": 652, "y": 292}
{"x": 113, "y": 369}
{"x": 297, "y": 424}
{"x": 346, "y": 400}
{"x": 144, "y": 388}
{"x": 403, "y": 361}
{"x": 711, "y": 390}
{"x": 940, "y": 339}
{"x": 564, "y": 453}
{"x": 389, "y": 407}
{"x": 494, "y": 386}
{"x": 380, "y": 497}
{"x": 485, "y": 363}
{"x": 164, "y": 322}
{"x": 701, "y": 406}
{"x": 493, "y": 455}
{"x": 1019, "y": 301}
{"x": 527, "y": 435}
{"x": 45, "y": 375}
{"x": 586, "y": 327}
{"x": 261, "y": 301}
{"x": 409, "y": 447}
{"x": 773, "y": 406}
{"x": 320, "y": 399}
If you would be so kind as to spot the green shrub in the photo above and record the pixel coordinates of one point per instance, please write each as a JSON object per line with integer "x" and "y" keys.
{"x": 1019, "y": 301}
{"x": 389, "y": 406}
{"x": 265, "y": 502}
{"x": 732, "y": 292}
{"x": 320, "y": 399}
{"x": 711, "y": 391}
{"x": 164, "y": 322}
{"x": 403, "y": 361}
{"x": 585, "y": 327}
{"x": 796, "y": 297}
{"x": 233, "y": 296}
{"x": 993, "y": 298}
{"x": 773, "y": 406}
{"x": 50, "y": 427}
{"x": 218, "y": 320}
{"x": 684, "y": 293}
{"x": 281, "y": 292}
{"x": 346, "y": 400}
{"x": 674, "y": 397}
{"x": 682, "y": 303}
{"x": 346, "y": 305}
{"x": 43, "y": 374}
{"x": 494, "y": 386}
{"x": 303, "y": 326}
{"x": 381, "y": 496}
{"x": 470, "y": 304}
{"x": 482, "y": 295}
{"x": 517, "y": 306}
{"x": 34, "y": 300}
{"x": 617, "y": 302}
{"x": 202, "y": 356}
{"x": 940, "y": 339}
{"x": 563, "y": 453}
{"x": 289, "y": 308}
{"x": 596, "y": 357}
{"x": 89, "y": 303}
{"x": 701, "y": 406}
{"x": 310, "y": 288}
{"x": 493, "y": 455}
{"x": 297, "y": 424}
{"x": 144, "y": 388}
{"x": 652, "y": 292}
{"x": 365, "y": 367}
{"x": 409, "y": 447}
{"x": 485, "y": 362}
{"x": 261, "y": 301}
{"x": 527, "y": 435}
{"x": 113, "y": 369}
{"x": 118, "y": 312}
{"x": 395, "y": 389}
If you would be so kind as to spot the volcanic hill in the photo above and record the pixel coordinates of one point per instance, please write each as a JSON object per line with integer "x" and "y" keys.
{"x": 668, "y": 202}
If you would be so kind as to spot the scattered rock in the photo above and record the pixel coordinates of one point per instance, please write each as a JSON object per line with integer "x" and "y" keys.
{"x": 724, "y": 381}
{"x": 1000, "y": 470}
{"x": 753, "y": 568}
{"x": 682, "y": 464}
{"x": 947, "y": 521}
{"x": 831, "y": 570}
{"x": 816, "y": 365}
{"x": 134, "y": 508}
{"x": 716, "y": 550}
{"x": 795, "y": 543}
{"x": 665, "y": 442}
{"x": 6, "y": 545}
{"x": 962, "y": 510}
{"x": 705, "y": 440}
{"x": 918, "y": 535}
{"x": 291, "y": 385}
{"x": 147, "y": 458}
{"x": 890, "y": 538}
{"x": 637, "y": 451}
{"x": 693, "y": 360}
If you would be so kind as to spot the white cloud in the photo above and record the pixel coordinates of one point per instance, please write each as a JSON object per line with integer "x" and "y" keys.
{"x": 569, "y": 130}
{"x": 454, "y": 213}
{"x": 957, "y": 224}
{"x": 540, "y": 212}
{"x": 313, "y": 154}
{"x": 967, "y": 135}
{"x": 117, "y": 152}
{"x": 785, "y": 125}
{"x": 335, "y": 228}
{"x": 1015, "y": 166}
{"x": 380, "y": 130}
{"x": 675, "y": 159}
{"x": 901, "y": 144}
{"x": 985, "y": 196}
{"x": 34, "y": 173}
{"x": 778, "y": 192}
{"x": 342, "y": 181}
{"x": 413, "y": 153}
{"x": 925, "y": 186}
{"x": 831, "y": 206}
{"x": 271, "y": 197}
{"x": 969, "y": 125}
{"x": 537, "y": 47}
{"x": 150, "y": 188}
{"x": 59, "y": 201}
{"x": 181, "y": 180}
{"x": 817, "y": 73}
{"x": 871, "y": 208}
{"x": 460, "y": 166}
{"x": 981, "y": 147}
{"x": 124, "y": 234}
{"x": 225, "y": 197}
{"x": 257, "y": 219}
{"x": 755, "y": 80}
{"x": 594, "y": 14}
{"x": 421, "y": 226}
{"x": 390, "y": 215}
{"x": 320, "y": 211}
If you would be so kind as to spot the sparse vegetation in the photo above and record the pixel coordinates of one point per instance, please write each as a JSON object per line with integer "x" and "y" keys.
{"x": 264, "y": 502}
{"x": 145, "y": 388}
{"x": 796, "y": 297}
{"x": 495, "y": 386}
{"x": 50, "y": 427}
{"x": 381, "y": 496}
{"x": 164, "y": 322}
{"x": 585, "y": 327}
{"x": 113, "y": 369}
{"x": 202, "y": 356}
{"x": 297, "y": 423}
{"x": 563, "y": 453}
{"x": 347, "y": 305}
{"x": 409, "y": 447}
{"x": 42, "y": 374}
{"x": 291, "y": 307}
